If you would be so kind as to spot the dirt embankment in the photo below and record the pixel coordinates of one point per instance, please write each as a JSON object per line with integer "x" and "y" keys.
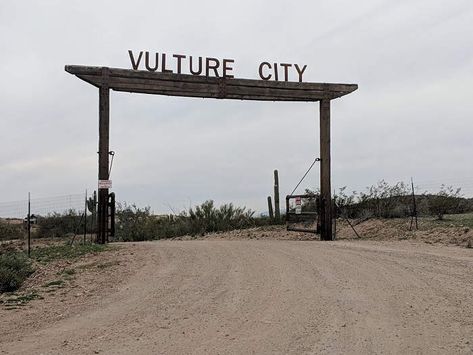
{"x": 372, "y": 229}
{"x": 256, "y": 296}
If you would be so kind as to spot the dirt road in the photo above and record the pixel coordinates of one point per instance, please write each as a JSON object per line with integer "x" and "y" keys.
{"x": 258, "y": 297}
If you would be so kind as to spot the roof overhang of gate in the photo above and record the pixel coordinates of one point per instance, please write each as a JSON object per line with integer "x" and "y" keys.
{"x": 171, "y": 84}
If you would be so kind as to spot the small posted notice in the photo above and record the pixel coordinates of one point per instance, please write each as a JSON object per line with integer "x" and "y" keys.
{"x": 105, "y": 184}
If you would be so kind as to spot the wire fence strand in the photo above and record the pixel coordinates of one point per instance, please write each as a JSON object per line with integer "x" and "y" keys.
{"x": 42, "y": 206}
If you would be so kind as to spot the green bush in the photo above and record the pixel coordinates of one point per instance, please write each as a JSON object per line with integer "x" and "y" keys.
{"x": 11, "y": 231}
{"x": 59, "y": 224}
{"x": 446, "y": 201}
{"x": 132, "y": 223}
{"x": 14, "y": 269}
{"x": 207, "y": 218}
{"x": 395, "y": 201}
{"x": 136, "y": 224}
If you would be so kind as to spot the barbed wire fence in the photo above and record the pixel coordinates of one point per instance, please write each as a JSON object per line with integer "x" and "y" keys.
{"x": 43, "y": 206}
{"x": 411, "y": 199}
{"x": 433, "y": 187}
{"x": 49, "y": 216}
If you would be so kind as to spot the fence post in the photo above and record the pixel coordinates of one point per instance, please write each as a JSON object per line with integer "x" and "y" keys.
{"x": 414, "y": 215}
{"x": 29, "y": 224}
{"x": 85, "y": 217}
{"x": 94, "y": 217}
{"x": 335, "y": 214}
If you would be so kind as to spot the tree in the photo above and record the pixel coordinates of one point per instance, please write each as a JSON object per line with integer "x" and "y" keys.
{"x": 445, "y": 201}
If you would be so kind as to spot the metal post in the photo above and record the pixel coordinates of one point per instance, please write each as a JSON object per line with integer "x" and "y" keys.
{"x": 414, "y": 204}
{"x": 29, "y": 224}
{"x": 325, "y": 183}
{"x": 94, "y": 218}
{"x": 85, "y": 217}
{"x": 335, "y": 215}
{"x": 104, "y": 132}
{"x": 111, "y": 215}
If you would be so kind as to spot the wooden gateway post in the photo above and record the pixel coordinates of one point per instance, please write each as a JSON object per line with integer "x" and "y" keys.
{"x": 227, "y": 87}
{"x": 104, "y": 150}
{"x": 325, "y": 180}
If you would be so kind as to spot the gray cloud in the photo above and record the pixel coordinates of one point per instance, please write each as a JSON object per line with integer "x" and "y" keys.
{"x": 411, "y": 116}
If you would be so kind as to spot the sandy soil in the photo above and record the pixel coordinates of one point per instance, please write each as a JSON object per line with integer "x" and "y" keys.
{"x": 257, "y": 296}
{"x": 372, "y": 229}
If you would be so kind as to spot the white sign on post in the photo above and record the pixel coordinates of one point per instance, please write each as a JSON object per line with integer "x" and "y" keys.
{"x": 105, "y": 184}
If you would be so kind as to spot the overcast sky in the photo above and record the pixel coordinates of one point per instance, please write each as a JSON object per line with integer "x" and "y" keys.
{"x": 411, "y": 116}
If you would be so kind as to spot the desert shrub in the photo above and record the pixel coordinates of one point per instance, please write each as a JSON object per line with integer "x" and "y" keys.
{"x": 446, "y": 201}
{"x": 59, "y": 224}
{"x": 395, "y": 201}
{"x": 11, "y": 231}
{"x": 14, "y": 269}
{"x": 381, "y": 200}
{"x": 384, "y": 200}
{"x": 207, "y": 218}
{"x": 136, "y": 224}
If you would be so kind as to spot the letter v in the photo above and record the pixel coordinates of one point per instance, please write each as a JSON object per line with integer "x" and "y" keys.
{"x": 135, "y": 64}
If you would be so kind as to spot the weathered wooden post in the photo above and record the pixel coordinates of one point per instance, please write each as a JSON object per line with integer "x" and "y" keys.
{"x": 270, "y": 208}
{"x": 325, "y": 185}
{"x": 104, "y": 132}
{"x": 277, "y": 212}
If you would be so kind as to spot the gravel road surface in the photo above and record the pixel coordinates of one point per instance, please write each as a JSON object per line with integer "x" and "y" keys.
{"x": 272, "y": 297}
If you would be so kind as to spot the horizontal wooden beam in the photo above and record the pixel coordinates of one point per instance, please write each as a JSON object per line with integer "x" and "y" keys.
{"x": 209, "y": 87}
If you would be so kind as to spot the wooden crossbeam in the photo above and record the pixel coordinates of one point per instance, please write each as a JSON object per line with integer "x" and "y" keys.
{"x": 171, "y": 84}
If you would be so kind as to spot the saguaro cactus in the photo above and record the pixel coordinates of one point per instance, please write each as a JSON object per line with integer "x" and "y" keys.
{"x": 277, "y": 212}
{"x": 270, "y": 208}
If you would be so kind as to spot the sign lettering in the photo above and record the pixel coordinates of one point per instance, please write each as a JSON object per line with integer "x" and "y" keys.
{"x": 208, "y": 66}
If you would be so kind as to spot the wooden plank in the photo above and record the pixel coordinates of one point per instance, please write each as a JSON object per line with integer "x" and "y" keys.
{"x": 216, "y": 96}
{"x": 208, "y": 90}
{"x": 214, "y": 91}
{"x": 228, "y": 83}
{"x": 143, "y": 74}
{"x": 140, "y": 74}
{"x": 202, "y": 86}
{"x": 325, "y": 180}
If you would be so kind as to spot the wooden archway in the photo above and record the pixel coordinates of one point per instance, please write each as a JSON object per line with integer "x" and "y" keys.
{"x": 171, "y": 84}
